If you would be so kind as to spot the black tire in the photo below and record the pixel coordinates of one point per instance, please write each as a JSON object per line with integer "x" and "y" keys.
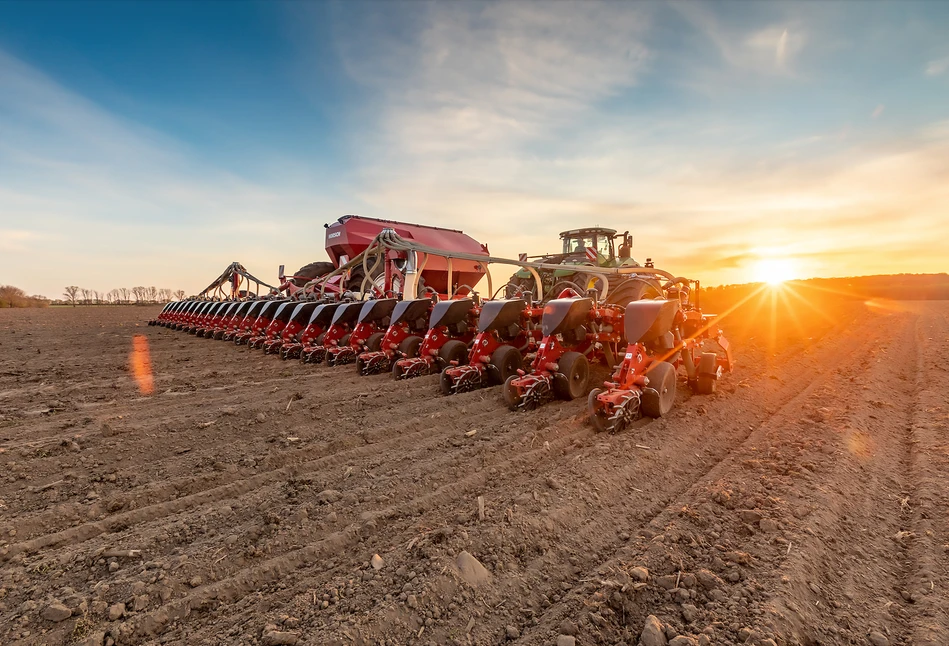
{"x": 576, "y": 375}
{"x": 445, "y": 382}
{"x": 360, "y": 364}
{"x": 453, "y": 350}
{"x": 311, "y": 271}
{"x": 707, "y": 373}
{"x": 660, "y": 394}
{"x": 507, "y": 360}
{"x": 509, "y": 394}
{"x": 396, "y": 369}
{"x": 624, "y": 290}
{"x": 600, "y": 423}
{"x": 374, "y": 342}
{"x": 524, "y": 285}
{"x": 409, "y": 346}
{"x": 343, "y": 340}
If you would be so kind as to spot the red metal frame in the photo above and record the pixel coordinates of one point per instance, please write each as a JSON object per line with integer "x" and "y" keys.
{"x": 428, "y": 360}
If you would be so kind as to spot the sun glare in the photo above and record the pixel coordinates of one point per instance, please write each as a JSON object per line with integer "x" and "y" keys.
{"x": 774, "y": 271}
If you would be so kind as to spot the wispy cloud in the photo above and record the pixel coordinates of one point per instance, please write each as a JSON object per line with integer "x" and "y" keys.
{"x": 937, "y": 67}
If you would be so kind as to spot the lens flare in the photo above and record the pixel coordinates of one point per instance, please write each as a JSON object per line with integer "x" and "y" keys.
{"x": 140, "y": 363}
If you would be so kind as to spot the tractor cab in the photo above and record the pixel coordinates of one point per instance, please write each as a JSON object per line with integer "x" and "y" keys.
{"x": 601, "y": 240}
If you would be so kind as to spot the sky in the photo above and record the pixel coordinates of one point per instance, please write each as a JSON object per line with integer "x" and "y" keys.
{"x": 153, "y": 143}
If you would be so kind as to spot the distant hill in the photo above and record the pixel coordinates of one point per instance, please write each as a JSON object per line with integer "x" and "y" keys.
{"x": 899, "y": 287}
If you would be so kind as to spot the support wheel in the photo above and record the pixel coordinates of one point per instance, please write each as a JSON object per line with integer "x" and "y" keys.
{"x": 396, "y": 369}
{"x": 409, "y": 346}
{"x": 708, "y": 374}
{"x": 374, "y": 342}
{"x": 597, "y": 415}
{"x": 453, "y": 350}
{"x": 507, "y": 360}
{"x": 575, "y": 373}
{"x": 659, "y": 396}
{"x": 446, "y": 383}
{"x": 509, "y": 393}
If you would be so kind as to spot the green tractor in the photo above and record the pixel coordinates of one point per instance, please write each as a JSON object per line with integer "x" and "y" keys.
{"x": 587, "y": 247}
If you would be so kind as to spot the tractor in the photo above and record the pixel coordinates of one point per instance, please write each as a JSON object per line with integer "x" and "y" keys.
{"x": 588, "y": 247}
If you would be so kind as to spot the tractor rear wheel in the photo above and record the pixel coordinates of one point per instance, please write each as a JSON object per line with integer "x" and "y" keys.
{"x": 660, "y": 394}
{"x": 624, "y": 290}
{"x": 453, "y": 350}
{"x": 708, "y": 367}
{"x": 409, "y": 346}
{"x": 576, "y": 372}
{"x": 374, "y": 342}
{"x": 507, "y": 360}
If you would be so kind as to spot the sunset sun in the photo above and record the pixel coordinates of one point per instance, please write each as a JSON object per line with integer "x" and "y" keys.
{"x": 773, "y": 271}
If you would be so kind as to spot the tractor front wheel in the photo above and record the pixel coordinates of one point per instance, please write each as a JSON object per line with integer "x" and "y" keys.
{"x": 660, "y": 394}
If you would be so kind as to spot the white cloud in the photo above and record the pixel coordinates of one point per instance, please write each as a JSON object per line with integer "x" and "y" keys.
{"x": 937, "y": 67}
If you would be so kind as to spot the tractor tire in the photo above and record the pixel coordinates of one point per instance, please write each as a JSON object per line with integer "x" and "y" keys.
{"x": 374, "y": 342}
{"x": 708, "y": 366}
{"x": 453, "y": 350}
{"x": 600, "y": 423}
{"x": 311, "y": 271}
{"x": 445, "y": 383}
{"x": 576, "y": 372}
{"x": 409, "y": 346}
{"x": 509, "y": 394}
{"x": 624, "y": 290}
{"x": 526, "y": 286}
{"x": 659, "y": 396}
{"x": 507, "y": 360}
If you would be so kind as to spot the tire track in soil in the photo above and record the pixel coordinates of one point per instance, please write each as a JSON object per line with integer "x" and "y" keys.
{"x": 924, "y": 581}
{"x": 591, "y": 535}
{"x": 672, "y": 521}
{"x": 433, "y": 435}
{"x": 670, "y": 506}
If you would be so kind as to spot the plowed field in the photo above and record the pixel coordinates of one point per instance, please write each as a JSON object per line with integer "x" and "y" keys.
{"x": 807, "y": 502}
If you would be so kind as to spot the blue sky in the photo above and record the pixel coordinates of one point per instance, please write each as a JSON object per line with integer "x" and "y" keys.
{"x": 155, "y": 142}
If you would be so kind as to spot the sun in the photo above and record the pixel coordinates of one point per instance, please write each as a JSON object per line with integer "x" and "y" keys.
{"x": 774, "y": 271}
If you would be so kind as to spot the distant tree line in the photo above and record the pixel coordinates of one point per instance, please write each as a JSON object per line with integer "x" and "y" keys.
{"x": 11, "y": 296}
{"x": 75, "y": 295}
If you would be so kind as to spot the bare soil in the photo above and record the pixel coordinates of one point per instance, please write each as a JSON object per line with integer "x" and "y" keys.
{"x": 242, "y": 503}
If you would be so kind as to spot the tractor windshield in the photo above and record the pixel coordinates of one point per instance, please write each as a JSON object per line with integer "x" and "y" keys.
{"x": 580, "y": 243}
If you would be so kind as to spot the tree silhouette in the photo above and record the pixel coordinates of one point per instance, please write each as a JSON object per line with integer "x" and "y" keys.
{"x": 70, "y": 294}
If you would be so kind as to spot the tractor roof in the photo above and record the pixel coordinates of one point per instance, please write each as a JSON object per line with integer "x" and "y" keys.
{"x": 588, "y": 231}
